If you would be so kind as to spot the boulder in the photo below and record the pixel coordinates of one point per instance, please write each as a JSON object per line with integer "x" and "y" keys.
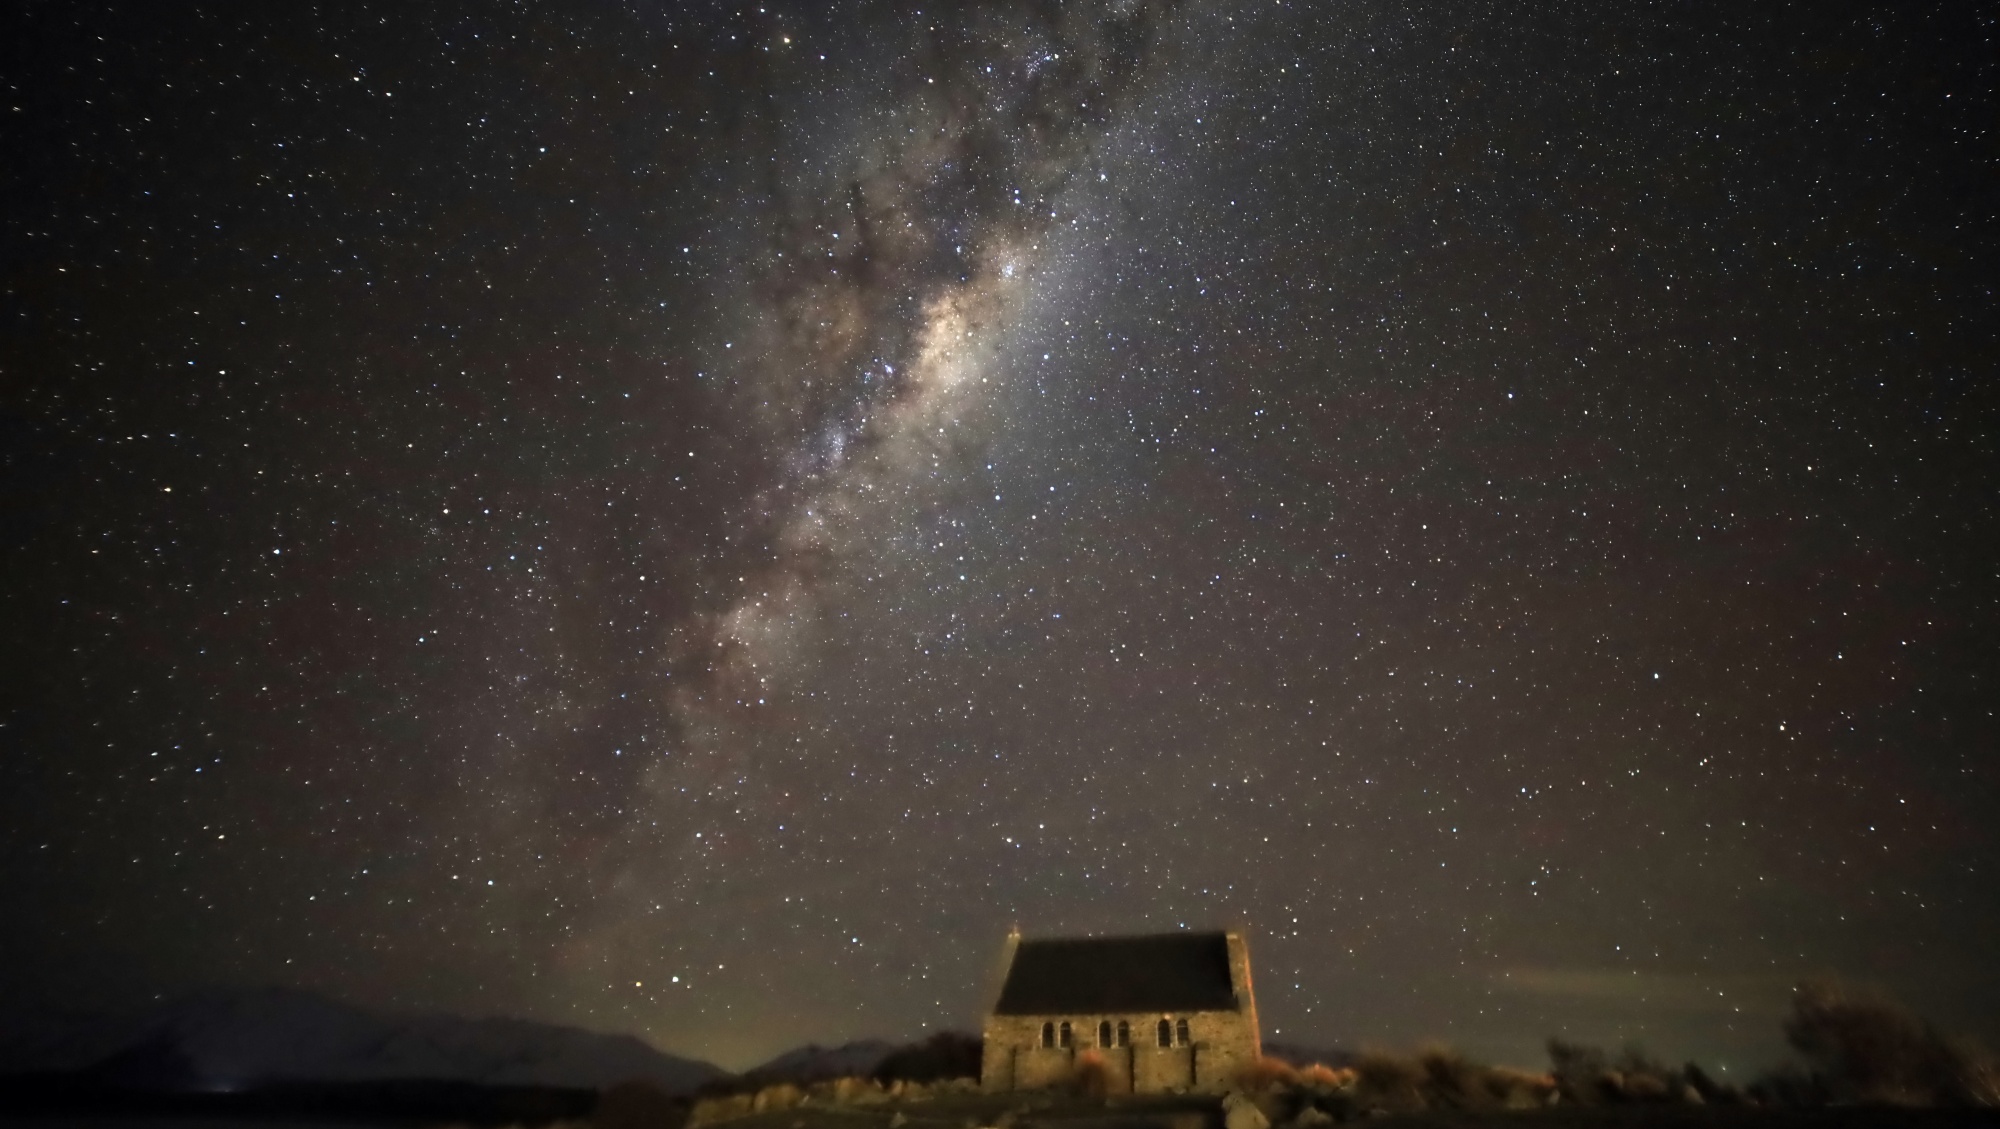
{"x": 1239, "y": 1112}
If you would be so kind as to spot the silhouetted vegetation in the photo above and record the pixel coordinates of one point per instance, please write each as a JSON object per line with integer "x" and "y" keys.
{"x": 947, "y": 1054}
{"x": 1585, "y": 1075}
{"x": 1864, "y": 1047}
{"x": 1861, "y": 1050}
{"x": 637, "y": 1105}
{"x": 1377, "y": 1081}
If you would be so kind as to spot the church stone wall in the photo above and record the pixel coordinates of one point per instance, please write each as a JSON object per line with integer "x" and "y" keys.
{"x": 1156, "y": 1069}
{"x": 1221, "y": 1044}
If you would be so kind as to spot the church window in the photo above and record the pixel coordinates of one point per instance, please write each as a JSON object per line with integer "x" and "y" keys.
{"x": 1048, "y": 1034}
{"x": 1063, "y": 1033}
{"x": 1103, "y": 1032}
{"x": 1124, "y": 1033}
{"x": 1181, "y": 1032}
{"x": 1166, "y": 1033}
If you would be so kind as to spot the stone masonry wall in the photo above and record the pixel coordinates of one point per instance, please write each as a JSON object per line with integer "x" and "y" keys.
{"x": 1222, "y": 1043}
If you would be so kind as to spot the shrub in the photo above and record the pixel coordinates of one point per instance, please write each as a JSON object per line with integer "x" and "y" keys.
{"x": 777, "y": 1097}
{"x": 1321, "y": 1076}
{"x": 1452, "y": 1081}
{"x": 947, "y": 1054}
{"x": 1519, "y": 1089}
{"x": 1868, "y": 1048}
{"x": 1788, "y": 1085}
{"x": 636, "y": 1105}
{"x": 713, "y": 1110}
{"x": 1580, "y": 1072}
{"x": 1091, "y": 1075}
{"x": 1266, "y": 1074}
{"x": 1386, "y": 1081}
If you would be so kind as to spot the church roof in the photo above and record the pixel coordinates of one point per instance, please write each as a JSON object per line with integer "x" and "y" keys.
{"x": 1168, "y": 972}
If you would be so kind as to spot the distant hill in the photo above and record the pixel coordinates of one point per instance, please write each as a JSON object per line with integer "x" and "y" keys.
{"x": 230, "y": 1039}
{"x": 812, "y": 1062}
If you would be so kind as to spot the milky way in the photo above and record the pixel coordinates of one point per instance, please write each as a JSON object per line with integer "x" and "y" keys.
{"x": 695, "y": 521}
{"x": 898, "y": 257}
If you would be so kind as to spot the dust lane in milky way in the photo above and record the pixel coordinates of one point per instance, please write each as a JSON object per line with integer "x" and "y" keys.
{"x": 696, "y": 520}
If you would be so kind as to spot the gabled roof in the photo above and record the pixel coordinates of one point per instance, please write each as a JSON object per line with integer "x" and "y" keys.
{"x": 1088, "y": 975}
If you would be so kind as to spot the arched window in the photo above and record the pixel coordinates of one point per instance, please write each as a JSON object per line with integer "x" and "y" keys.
{"x": 1166, "y": 1033}
{"x": 1048, "y": 1034}
{"x": 1181, "y": 1032}
{"x": 1124, "y": 1033}
{"x": 1103, "y": 1032}
{"x": 1063, "y": 1033}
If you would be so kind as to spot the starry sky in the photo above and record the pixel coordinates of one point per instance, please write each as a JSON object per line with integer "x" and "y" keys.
{"x": 695, "y": 519}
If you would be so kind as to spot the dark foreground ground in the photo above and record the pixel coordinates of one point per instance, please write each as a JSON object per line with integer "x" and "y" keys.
{"x": 1197, "y": 1113}
{"x": 1676, "y": 1117}
{"x": 424, "y": 1107}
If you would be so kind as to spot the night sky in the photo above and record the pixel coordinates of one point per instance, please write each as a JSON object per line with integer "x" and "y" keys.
{"x": 695, "y": 520}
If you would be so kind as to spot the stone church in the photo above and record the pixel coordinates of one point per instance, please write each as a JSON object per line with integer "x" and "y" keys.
{"x": 1163, "y": 1013}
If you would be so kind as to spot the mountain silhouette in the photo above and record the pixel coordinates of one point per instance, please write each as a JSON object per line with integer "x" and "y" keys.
{"x": 234, "y": 1038}
{"x": 813, "y": 1062}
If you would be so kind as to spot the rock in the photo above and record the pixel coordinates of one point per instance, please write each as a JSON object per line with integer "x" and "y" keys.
{"x": 1312, "y": 1115}
{"x": 898, "y": 1121}
{"x": 1239, "y": 1112}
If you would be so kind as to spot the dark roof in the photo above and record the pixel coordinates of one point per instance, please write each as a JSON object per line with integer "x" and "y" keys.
{"x": 1169, "y": 972}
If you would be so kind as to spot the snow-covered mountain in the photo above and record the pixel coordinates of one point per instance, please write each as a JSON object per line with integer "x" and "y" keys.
{"x": 231, "y": 1038}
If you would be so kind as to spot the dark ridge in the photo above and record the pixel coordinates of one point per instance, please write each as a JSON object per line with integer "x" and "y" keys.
{"x": 420, "y": 1100}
